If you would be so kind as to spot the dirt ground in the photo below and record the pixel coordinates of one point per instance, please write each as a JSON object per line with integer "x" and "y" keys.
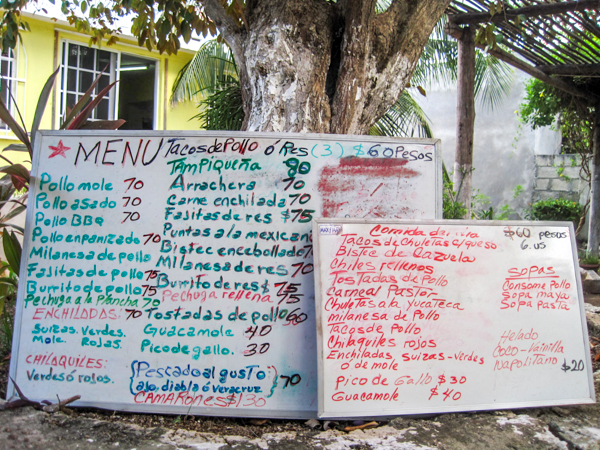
{"x": 576, "y": 427}
{"x": 556, "y": 428}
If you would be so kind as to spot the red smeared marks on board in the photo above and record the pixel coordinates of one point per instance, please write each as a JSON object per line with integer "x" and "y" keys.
{"x": 381, "y": 211}
{"x": 386, "y": 166}
{"x": 364, "y": 178}
{"x": 376, "y": 189}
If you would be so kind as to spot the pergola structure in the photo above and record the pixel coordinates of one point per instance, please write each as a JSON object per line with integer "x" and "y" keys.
{"x": 557, "y": 42}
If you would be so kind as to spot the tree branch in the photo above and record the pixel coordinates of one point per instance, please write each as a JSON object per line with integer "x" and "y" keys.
{"x": 394, "y": 10}
{"x": 230, "y": 30}
{"x": 379, "y": 54}
{"x": 356, "y": 49}
{"x": 398, "y": 37}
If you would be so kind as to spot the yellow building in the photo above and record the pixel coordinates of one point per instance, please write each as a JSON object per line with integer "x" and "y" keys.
{"x": 141, "y": 96}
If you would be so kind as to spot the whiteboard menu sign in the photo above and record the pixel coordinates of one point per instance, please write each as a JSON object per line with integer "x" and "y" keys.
{"x": 439, "y": 316}
{"x": 173, "y": 271}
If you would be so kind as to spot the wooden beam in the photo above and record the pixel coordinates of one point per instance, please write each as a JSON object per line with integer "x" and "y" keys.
{"x": 465, "y": 122}
{"x": 457, "y": 32}
{"x": 572, "y": 70}
{"x": 535, "y": 72}
{"x": 544, "y": 9}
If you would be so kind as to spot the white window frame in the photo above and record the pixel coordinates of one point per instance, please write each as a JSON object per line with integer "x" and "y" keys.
{"x": 114, "y": 70}
{"x": 16, "y": 85}
{"x": 65, "y": 47}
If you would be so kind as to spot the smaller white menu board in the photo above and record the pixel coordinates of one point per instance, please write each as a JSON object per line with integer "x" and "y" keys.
{"x": 440, "y": 316}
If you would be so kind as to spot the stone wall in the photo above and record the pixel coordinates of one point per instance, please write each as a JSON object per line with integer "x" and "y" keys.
{"x": 557, "y": 176}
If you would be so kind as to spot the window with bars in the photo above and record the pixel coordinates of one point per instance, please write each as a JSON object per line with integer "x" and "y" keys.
{"x": 133, "y": 99}
{"x": 80, "y": 67}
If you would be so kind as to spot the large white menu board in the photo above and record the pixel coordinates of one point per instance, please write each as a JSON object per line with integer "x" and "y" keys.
{"x": 173, "y": 271}
{"x": 439, "y": 316}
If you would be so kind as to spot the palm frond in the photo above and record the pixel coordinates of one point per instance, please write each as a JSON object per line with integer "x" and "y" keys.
{"x": 439, "y": 61}
{"x": 493, "y": 80}
{"x": 439, "y": 65}
{"x": 404, "y": 118}
{"x": 211, "y": 68}
{"x": 223, "y": 110}
{"x": 382, "y": 6}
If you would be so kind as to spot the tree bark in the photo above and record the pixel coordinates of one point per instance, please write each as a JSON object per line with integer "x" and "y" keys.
{"x": 379, "y": 55}
{"x": 287, "y": 55}
{"x": 594, "y": 225}
{"x": 323, "y": 67}
{"x": 465, "y": 125}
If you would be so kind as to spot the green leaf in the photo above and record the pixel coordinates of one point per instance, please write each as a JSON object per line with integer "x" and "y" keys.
{"x": 12, "y": 250}
{"x": 14, "y": 213}
{"x": 480, "y": 36}
{"x": 80, "y": 104}
{"x": 186, "y": 31}
{"x": 41, "y": 105}
{"x": 493, "y": 80}
{"x": 210, "y": 69}
{"x": 9, "y": 281}
{"x": 10, "y": 225}
{"x": 15, "y": 148}
{"x": 517, "y": 22}
{"x": 87, "y": 112}
{"x": 404, "y": 118}
{"x": 490, "y": 38}
{"x": 9, "y": 120}
{"x": 164, "y": 28}
{"x": 19, "y": 174}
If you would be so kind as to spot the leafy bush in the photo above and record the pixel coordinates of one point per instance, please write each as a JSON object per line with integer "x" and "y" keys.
{"x": 8, "y": 294}
{"x": 545, "y": 105}
{"x": 587, "y": 258}
{"x": 223, "y": 110}
{"x": 452, "y": 208}
{"x": 556, "y": 209}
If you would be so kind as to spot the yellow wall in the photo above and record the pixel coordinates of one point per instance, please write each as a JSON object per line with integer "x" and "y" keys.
{"x": 179, "y": 115}
{"x": 36, "y": 59}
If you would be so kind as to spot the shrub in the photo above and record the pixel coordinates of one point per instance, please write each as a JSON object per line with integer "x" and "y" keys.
{"x": 556, "y": 209}
{"x": 587, "y": 258}
{"x": 452, "y": 208}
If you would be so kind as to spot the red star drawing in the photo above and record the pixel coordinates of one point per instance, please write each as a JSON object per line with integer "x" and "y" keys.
{"x": 60, "y": 149}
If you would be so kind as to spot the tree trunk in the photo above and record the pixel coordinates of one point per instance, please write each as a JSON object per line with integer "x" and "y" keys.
{"x": 594, "y": 225}
{"x": 287, "y": 60}
{"x": 324, "y": 67}
{"x": 465, "y": 125}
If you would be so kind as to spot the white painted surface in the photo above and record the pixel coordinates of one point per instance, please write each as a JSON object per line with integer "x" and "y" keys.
{"x": 241, "y": 272}
{"x": 503, "y": 148}
{"x": 440, "y": 316}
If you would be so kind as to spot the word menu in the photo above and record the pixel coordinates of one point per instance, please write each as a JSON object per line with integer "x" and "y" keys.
{"x": 173, "y": 271}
